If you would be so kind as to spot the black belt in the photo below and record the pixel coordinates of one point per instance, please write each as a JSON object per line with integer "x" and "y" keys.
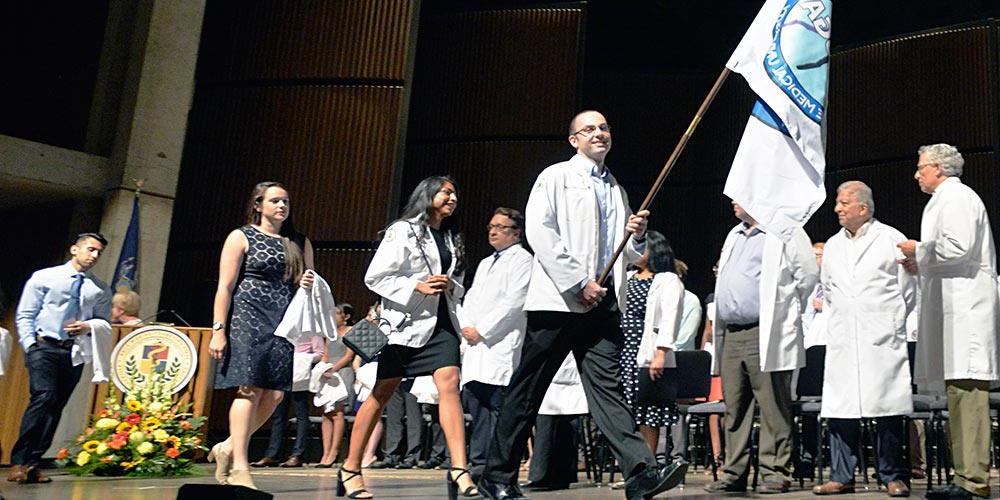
{"x": 64, "y": 344}
{"x": 740, "y": 328}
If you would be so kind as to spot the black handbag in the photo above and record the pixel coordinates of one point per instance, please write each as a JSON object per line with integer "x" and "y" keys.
{"x": 660, "y": 392}
{"x": 366, "y": 339}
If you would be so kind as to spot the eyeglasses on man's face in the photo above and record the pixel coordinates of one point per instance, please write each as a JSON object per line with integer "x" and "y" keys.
{"x": 498, "y": 227}
{"x": 590, "y": 130}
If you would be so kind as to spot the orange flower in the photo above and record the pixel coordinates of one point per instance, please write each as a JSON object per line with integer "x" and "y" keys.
{"x": 117, "y": 444}
{"x": 62, "y": 454}
{"x": 172, "y": 452}
{"x": 107, "y": 460}
{"x": 185, "y": 425}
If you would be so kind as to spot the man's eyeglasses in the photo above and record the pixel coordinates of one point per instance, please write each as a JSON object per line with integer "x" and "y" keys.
{"x": 922, "y": 165}
{"x": 498, "y": 227}
{"x": 590, "y": 130}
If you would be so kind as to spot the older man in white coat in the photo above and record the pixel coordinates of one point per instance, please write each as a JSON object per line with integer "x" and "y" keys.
{"x": 576, "y": 215}
{"x": 762, "y": 289}
{"x": 867, "y": 297}
{"x": 493, "y": 321}
{"x": 958, "y": 327}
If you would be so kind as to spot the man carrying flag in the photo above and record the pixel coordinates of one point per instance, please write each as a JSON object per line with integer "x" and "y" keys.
{"x": 767, "y": 270}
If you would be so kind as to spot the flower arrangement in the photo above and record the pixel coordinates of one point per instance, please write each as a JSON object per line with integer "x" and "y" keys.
{"x": 147, "y": 434}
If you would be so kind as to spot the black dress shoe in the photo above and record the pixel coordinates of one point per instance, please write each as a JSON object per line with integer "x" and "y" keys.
{"x": 545, "y": 486}
{"x": 499, "y": 491}
{"x": 773, "y": 487}
{"x": 950, "y": 492}
{"x": 655, "y": 480}
{"x": 388, "y": 463}
{"x": 725, "y": 486}
{"x": 407, "y": 464}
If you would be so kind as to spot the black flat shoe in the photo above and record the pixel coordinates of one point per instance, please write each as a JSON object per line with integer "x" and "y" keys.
{"x": 324, "y": 466}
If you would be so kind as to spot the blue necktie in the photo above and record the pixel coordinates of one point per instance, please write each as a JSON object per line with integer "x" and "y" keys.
{"x": 496, "y": 257}
{"x": 73, "y": 307}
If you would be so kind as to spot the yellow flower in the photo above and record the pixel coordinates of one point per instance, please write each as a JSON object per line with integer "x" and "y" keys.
{"x": 176, "y": 441}
{"x": 133, "y": 405}
{"x": 102, "y": 449}
{"x": 145, "y": 448}
{"x": 160, "y": 435}
{"x": 150, "y": 424}
{"x": 83, "y": 458}
{"x": 106, "y": 423}
{"x": 91, "y": 446}
{"x": 137, "y": 437}
{"x": 127, "y": 465}
{"x": 155, "y": 406}
{"x": 123, "y": 427}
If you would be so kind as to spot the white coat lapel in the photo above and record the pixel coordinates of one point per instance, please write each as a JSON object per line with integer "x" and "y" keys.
{"x": 868, "y": 239}
{"x": 431, "y": 249}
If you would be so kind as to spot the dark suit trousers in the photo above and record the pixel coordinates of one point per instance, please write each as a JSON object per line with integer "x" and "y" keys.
{"x": 52, "y": 378}
{"x": 403, "y": 424}
{"x": 554, "y": 460}
{"x": 844, "y": 438}
{"x": 595, "y": 339}
{"x": 301, "y": 400}
{"x": 483, "y": 402}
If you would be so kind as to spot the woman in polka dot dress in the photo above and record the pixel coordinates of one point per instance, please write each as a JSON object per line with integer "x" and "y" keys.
{"x": 652, "y": 317}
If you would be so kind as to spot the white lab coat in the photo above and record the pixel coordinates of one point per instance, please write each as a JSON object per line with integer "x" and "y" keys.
{"x": 664, "y": 305}
{"x": 787, "y": 276}
{"x": 958, "y": 300}
{"x": 393, "y": 274}
{"x": 813, "y": 322}
{"x": 330, "y": 393}
{"x": 309, "y": 313}
{"x": 867, "y": 297}
{"x": 494, "y": 305}
{"x": 562, "y": 227}
{"x": 565, "y": 395}
{"x": 6, "y": 344}
{"x": 94, "y": 349}
{"x": 425, "y": 390}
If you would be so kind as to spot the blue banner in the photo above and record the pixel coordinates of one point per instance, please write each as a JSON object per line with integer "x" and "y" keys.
{"x": 126, "y": 272}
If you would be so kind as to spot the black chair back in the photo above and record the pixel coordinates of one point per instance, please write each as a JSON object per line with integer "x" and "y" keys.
{"x": 810, "y": 383}
{"x": 693, "y": 374}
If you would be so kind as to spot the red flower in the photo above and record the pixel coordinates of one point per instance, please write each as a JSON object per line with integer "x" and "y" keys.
{"x": 62, "y": 453}
{"x": 133, "y": 419}
{"x": 185, "y": 425}
{"x": 172, "y": 452}
{"x": 117, "y": 443}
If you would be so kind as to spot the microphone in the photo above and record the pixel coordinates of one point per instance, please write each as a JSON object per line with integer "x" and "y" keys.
{"x": 171, "y": 311}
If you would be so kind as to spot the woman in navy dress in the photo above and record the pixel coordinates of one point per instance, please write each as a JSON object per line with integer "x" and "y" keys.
{"x": 261, "y": 266}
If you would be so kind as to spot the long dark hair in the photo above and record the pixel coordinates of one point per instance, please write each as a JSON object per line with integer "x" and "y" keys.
{"x": 661, "y": 255}
{"x": 292, "y": 241}
{"x": 421, "y": 205}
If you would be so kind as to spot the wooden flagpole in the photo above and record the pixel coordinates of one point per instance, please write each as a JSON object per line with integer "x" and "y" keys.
{"x": 669, "y": 165}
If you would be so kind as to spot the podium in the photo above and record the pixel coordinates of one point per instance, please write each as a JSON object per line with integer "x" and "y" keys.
{"x": 88, "y": 398}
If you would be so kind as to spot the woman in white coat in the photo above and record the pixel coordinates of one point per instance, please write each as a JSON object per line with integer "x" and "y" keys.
{"x": 652, "y": 318}
{"x": 417, "y": 270}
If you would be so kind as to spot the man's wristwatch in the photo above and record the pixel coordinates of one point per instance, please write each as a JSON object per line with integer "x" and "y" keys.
{"x": 218, "y": 325}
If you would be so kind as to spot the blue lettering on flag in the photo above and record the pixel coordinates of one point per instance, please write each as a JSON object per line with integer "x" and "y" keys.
{"x": 799, "y": 54}
{"x": 764, "y": 113}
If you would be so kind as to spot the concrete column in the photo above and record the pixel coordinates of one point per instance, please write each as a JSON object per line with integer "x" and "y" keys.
{"x": 155, "y": 99}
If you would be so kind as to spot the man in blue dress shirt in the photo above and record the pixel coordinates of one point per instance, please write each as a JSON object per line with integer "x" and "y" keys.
{"x": 57, "y": 306}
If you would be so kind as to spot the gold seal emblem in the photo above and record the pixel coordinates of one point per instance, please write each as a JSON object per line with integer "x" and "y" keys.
{"x": 154, "y": 349}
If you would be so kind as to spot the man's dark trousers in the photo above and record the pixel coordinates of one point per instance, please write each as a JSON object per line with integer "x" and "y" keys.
{"x": 402, "y": 403}
{"x": 52, "y": 378}
{"x": 483, "y": 402}
{"x": 595, "y": 339}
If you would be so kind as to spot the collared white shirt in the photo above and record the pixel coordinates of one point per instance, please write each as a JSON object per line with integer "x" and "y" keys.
{"x": 494, "y": 305}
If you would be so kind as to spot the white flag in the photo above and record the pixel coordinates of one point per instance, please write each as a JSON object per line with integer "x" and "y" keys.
{"x": 777, "y": 175}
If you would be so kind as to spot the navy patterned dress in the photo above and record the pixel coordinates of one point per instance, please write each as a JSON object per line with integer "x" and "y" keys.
{"x": 254, "y": 356}
{"x": 633, "y": 323}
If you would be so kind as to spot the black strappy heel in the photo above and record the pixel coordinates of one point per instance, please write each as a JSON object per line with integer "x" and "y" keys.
{"x": 469, "y": 492}
{"x": 342, "y": 490}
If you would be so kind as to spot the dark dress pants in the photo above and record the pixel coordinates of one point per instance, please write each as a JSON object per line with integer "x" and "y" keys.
{"x": 52, "y": 378}
{"x": 483, "y": 402}
{"x": 301, "y": 402}
{"x": 844, "y": 439}
{"x": 554, "y": 457}
{"x": 595, "y": 339}
{"x": 403, "y": 424}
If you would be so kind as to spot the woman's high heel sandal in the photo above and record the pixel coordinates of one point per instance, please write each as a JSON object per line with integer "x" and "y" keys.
{"x": 469, "y": 492}
{"x": 223, "y": 463}
{"x": 342, "y": 490}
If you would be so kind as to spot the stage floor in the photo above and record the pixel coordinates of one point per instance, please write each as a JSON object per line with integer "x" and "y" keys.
{"x": 309, "y": 483}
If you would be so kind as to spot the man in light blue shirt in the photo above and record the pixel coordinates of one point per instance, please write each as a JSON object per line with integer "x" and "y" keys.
{"x": 55, "y": 307}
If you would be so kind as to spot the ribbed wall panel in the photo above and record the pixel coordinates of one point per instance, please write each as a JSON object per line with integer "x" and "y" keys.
{"x": 347, "y": 269}
{"x": 496, "y": 73}
{"x": 890, "y": 97}
{"x": 296, "y": 39}
{"x": 333, "y": 147}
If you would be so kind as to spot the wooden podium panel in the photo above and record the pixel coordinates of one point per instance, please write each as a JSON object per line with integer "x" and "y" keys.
{"x": 14, "y": 389}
